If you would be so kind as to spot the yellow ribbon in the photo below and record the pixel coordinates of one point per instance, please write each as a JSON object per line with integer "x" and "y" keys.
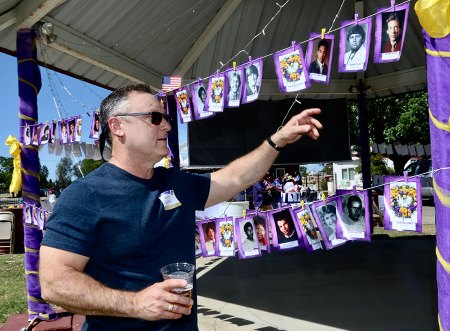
{"x": 14, "y": 150}
{"x": 434, "y": 16}
{"x": 443, "y": 262}
{"x": 442, "y": 194}
{"x": 440, "y": 125}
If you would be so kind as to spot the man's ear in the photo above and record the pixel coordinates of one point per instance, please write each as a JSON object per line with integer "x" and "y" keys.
{"x": 115, "y": 126}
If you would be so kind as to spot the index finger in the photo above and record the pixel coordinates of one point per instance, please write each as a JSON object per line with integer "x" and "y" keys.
{"x": 170, "y": 284}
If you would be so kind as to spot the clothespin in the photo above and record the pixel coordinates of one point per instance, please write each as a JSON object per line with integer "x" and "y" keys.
{"x": 244, "y": 213}
{"x": 324, "y": 199}
{"x": 354, "y": 189}
{"x": 293, "y": 43}
{"x": 356, "y": 19}
{"x": 302, "y": 202}
{"x": 250, "y": 59}
{"x": 405, "y": 175}
{"x": 393, "y": 5}
{"x": 217, "y": 73}
{"x": 234, "y": 65}
{"x": 167, "y": 162}
{"x": 323, "y": 32}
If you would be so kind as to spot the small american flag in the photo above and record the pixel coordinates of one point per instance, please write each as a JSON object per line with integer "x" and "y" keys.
{"x": 170, "y": 83}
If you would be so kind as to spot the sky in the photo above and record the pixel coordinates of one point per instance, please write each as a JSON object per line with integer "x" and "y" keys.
{"x": 74, "y": 97}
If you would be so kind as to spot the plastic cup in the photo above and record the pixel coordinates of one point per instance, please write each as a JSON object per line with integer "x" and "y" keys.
{"x": 180, "y": 270}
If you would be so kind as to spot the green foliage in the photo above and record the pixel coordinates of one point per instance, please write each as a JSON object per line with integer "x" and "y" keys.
{"x": 86, "y": 166}
{"x": 377, "y": 166}
{"x": 401, "y": 118}
{"x": 6, "y": 171}
{"x": 13, "y": 293}
{"x": 43, "y": 178}
{"x": 328, "y": 168}
{"x": 303, "y": 171}
{"x": 323, "y": 185}
{"x": 64, "y": 172}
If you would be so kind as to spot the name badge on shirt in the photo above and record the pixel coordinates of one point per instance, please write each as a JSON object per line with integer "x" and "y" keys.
{"x": 169, "y": 200}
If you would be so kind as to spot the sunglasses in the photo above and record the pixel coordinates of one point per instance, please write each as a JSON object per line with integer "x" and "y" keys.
{"x": 156, "y": 117}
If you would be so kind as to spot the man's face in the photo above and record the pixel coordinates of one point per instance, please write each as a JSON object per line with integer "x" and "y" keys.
{"x": 210, "y": 234}
{"x": 393, "y": 30}
{"x": 330, "y": 219}
{"x": 355, "y": 210}
{"x": 322, "y": 54}
{"x": 234, "y": 84}
{"x": 249, "y": 232}
{"x": 203, "y": 95}
{"x": 252, "y": 79}
{"x": 138, "y": 134}
{"x": 284, "y": 227}
{"x": 260, "y": 231}
{"x": 355, "y": 41}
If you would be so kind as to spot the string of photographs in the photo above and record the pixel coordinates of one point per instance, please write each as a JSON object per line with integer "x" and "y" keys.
{"x": 295, "y": 72}
{"x": 70, "y": 130}
{"x": 328, "y": 223}
{"x": 35, "y": 216}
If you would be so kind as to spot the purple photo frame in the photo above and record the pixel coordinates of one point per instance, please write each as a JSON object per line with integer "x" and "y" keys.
{"x": 402, "y": 203}
{"x": 78, "y": 128}
{"x": 225, "y": 236}
{"x": 311, "y": 60}
{"x": 94, "y": 132}
{"x": 183, "y": 104}
{"x": 216, "y": 94}
{"x": 198, "y": 243}
{"x": 353, "y": 61}
{"x": 63, "y": 132}
{"x": 348, "y": 228}
{"x": 26, "y": 135}
{"x": 279, "y": 240}
{"x": 383, "y": 52}
{"x": 247, "y": 248}
{"x": 262, "y": 229}
{"x": 35, "y": 216}
{"x": 209, "y": 246}
{"x": 71, "y": 129}
{"x": 306, "y": 225}
{"x": 53, "y": 132}
{"x": 292, "y": 73}
{"x": 36, "y": 134}
{"x": 27, "y": 214}
{"x": 253, "y": 71}
{"x": 198, "y": 93}
{"x": 45, "y": 134}
{"x": 235, "y": 79}
{"x": 41, "y": 218}
{"x": 321, "y": 213}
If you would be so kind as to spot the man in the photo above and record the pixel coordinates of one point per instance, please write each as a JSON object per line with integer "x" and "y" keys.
{"x": 394, "y": 32}
{"x": 329, "y": 219}
{"x": 202, "y": 94}
{"x": 319, "y": 66}
{"x": 355, "y": 39}
{"x": 249, "y": 243}
{"x": 210, "y": 242}
{"x": 234, "y": 93}
{"x": 251, "y": 84}
{"x": 354, "y": 219}
{"x": 287, "y": 229}
{"x": 112, "y": 231}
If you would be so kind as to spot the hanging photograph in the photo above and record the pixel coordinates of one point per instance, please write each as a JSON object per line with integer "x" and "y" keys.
{"x": 354, "y": 45}
{"x": 36, "y": 215}
{"x": 41, "y": 219}
{"x": 53, "y": 132}
{"x": 291, "y": 72}
{"x": 285, "y": 232}
{"x": 198, "y": 92}
{"x": 45, "y": 134}
{"x": 26, "y": 135}
{"x": 71, "y": 123}
{"x": 248, "y": 245}
{"x": 262, "y": 230}
{"x": 198, "y": 244}
{"x": 225, "y": 236}
{"x": 326, "y": 217}
{"x": 63, "y": 136}
{"x": 235, "y": 87}
{"x": 95, "y": 125}
{"x": 78, "y": 127}
{"x": 183, "y": 104}
{"x": 390, "y": 33}
{"x": 215, "y": 96}
{"x": 208, "y": 230}
{"x": 253, "y": 79}
{"x": 28, "y": 213}
{"x": 403, "y": 203}
{"x": 308, "y": 229}
{"x": 35, "y": 134}
{"x": 355, "y": 215}
{"x": 319, "y": 56}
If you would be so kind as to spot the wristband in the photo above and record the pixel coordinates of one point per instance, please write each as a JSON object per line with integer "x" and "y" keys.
{"x": 272, "y": 144}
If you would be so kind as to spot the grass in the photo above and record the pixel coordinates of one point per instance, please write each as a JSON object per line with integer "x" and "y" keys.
{"x": 13, "y": 294}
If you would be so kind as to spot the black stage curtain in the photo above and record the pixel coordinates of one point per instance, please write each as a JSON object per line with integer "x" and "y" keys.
{"x": 216, "y": 141}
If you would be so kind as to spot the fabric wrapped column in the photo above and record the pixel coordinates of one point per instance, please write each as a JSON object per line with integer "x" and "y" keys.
{"x": 29, "y": 86}
{"x": 435, "y": 19}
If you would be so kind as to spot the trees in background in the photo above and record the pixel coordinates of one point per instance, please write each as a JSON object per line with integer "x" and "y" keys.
{"x": 6, "y": 170}
{"x": 84, "y": 167}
